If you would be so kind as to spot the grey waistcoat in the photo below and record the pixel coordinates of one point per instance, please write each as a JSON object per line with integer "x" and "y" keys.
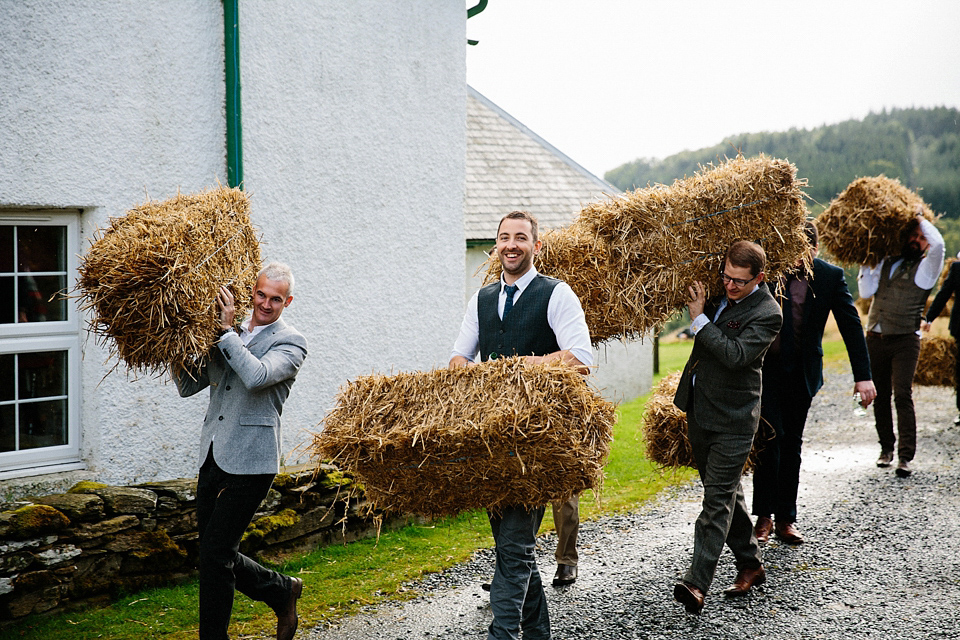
{"x": 525, "y": 331}
{"x": 898, "y": 302}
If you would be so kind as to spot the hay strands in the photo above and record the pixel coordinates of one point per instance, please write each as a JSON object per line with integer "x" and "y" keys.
{"x": 150, "y": 279}
{"x": 631, "y": 258}
{"x": 499, "y": 433}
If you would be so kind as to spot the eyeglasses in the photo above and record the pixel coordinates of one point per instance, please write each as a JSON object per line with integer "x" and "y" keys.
{"x": 737, "y": 281}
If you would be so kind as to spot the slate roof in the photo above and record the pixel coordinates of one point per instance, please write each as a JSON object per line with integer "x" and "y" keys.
{"x": 510, "y": 167}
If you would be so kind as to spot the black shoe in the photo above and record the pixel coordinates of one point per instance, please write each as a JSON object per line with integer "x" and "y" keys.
{"x": 566, "y": 574}
{"x": 287, "y": 619}
{"x": 903, "y": 469}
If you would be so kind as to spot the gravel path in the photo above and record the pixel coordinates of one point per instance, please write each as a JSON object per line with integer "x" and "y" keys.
{"x": 880, "y": 560}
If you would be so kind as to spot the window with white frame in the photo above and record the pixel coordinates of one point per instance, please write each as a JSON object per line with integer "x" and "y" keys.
{"x": 39, "y": 343}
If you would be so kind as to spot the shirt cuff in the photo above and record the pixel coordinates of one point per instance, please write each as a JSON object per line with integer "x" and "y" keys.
{"x": 699, "y": 323}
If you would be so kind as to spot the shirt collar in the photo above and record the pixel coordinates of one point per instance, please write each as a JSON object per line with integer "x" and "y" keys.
{"x": 523, "y": 281}
{"x": 245, "y": 327}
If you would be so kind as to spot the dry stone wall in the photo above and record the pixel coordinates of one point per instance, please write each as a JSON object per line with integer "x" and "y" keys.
{"x": 88, "y": 545}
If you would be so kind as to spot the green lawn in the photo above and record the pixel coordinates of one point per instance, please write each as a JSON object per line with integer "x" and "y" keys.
{"x": 339, "y": 579}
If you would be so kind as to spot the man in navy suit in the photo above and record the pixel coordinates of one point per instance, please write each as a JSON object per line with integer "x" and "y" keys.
{"x": 792, "y": 375}
{"x": 950, "y": 286}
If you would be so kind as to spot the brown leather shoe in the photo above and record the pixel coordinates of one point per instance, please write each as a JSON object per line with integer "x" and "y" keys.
{"x": 287, "y": 620}
{"x": 885, "y": 459}
{"x": 566, "y": 574}
{"x": 787, "y": 531}
{"x": 763, "y": 528}
{"x": 903, "y": 469}
{"x": 746, "y": 578}
{"x": 689, "y": 596}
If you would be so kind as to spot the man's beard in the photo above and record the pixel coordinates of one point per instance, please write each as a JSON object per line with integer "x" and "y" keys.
{"x": 911, "y": 252}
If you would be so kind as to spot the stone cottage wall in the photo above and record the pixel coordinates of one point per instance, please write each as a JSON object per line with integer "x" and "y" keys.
{"x": 83, "y": 547}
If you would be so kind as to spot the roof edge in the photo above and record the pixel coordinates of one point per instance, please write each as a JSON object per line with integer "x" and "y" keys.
{"x": 603, "y": 184}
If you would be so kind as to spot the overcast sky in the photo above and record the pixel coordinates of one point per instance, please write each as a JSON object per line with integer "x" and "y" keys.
{"x": 608, "y": 81}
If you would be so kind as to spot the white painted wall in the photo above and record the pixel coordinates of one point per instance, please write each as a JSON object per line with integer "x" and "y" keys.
{"x": 623, "y": 370}
{"x": 353, "y": 141}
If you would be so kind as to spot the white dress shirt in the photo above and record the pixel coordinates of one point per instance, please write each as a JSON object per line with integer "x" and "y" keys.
{"x": 868, "y": 280}
{"x": 564, "y": 315}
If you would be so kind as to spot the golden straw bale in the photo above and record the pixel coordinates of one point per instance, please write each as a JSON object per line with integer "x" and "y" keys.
{"x": 862, "y": 225}
{"x": 631, "y": 258}
{"x": 151, "y": 278}
{"x": 936, "y": 366}
{"x": 665, "y": 429}
{"x": 496, "y": 434}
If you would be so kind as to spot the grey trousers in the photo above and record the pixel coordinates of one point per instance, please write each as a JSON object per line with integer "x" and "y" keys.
{"x": 516, "y": 591}
{"x": 724, "y": 517}
{"x": 566, "y": 518}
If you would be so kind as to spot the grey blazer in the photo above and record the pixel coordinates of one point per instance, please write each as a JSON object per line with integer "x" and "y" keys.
{"x": 727, "y": 358}
{"x": 248, "y": 385}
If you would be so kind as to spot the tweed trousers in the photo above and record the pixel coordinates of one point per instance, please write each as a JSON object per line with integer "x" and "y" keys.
{"x": 723, "y": 517}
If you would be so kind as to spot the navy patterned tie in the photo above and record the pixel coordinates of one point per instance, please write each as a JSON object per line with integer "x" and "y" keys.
{"x": 511, "y": 290}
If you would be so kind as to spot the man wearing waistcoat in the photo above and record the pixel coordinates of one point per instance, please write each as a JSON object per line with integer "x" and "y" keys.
{"x": 524, "y": 314}
{"x": 899, "y": 286}
{"x": 249, "y": 371}
{"x": 792, "y": 375}
{"x": 720, "y": 392}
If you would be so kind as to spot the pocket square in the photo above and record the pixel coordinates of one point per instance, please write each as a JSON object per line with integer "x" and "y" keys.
{"x": 733, "y": 324}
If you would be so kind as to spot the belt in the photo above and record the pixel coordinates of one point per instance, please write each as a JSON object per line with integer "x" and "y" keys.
{"x": 874, "y": 334}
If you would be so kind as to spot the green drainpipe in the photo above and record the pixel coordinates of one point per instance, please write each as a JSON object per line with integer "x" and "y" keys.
{"x": 474, "y": 10}
{"x": 231, "y": 47}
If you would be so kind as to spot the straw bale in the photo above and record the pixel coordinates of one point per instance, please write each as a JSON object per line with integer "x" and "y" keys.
{"x": 631, "y": 258}
{"x": 936, "y": 366}
{"x": 862, "y": 225}
{"x": 150, "y": 279}
{"x": 499, "y": 433}
{"x": 665, "y": 429}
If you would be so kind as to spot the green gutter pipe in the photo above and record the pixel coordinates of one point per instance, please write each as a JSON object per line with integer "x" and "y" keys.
{"x": 474, "y": 10}
{"x": 231, "y": 48}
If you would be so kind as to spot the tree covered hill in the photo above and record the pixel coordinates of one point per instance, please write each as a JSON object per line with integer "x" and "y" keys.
{"x": 920, "y": 147}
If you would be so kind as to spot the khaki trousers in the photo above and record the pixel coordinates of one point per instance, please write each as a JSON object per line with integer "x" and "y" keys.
{"x": 566, "y": 518}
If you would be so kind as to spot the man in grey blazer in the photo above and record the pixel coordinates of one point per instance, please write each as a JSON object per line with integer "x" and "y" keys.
{"x": 249, "y": 371}
{"x": 720, "y": 392}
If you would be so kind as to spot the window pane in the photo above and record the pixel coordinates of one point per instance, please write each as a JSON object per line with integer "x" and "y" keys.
{"x": 41, "y": 249}
{"x": 35, "y": 298}
{"x": 7, "y": 373}
{"x": 8, "y": 305}
{"x": 43, "y": 374}
{"x": 6, "y": 249}
{"x": 43, "y": 424}
{"x": 7, "y": 428}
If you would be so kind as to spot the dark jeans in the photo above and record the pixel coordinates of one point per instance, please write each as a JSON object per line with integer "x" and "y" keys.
{"x": 723, "y": 518}
{"x": 776, "y": 478}
{"x": 893, "y": 360}
{"x": 225, "y": 505}
{"x": 516, "y": 592}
